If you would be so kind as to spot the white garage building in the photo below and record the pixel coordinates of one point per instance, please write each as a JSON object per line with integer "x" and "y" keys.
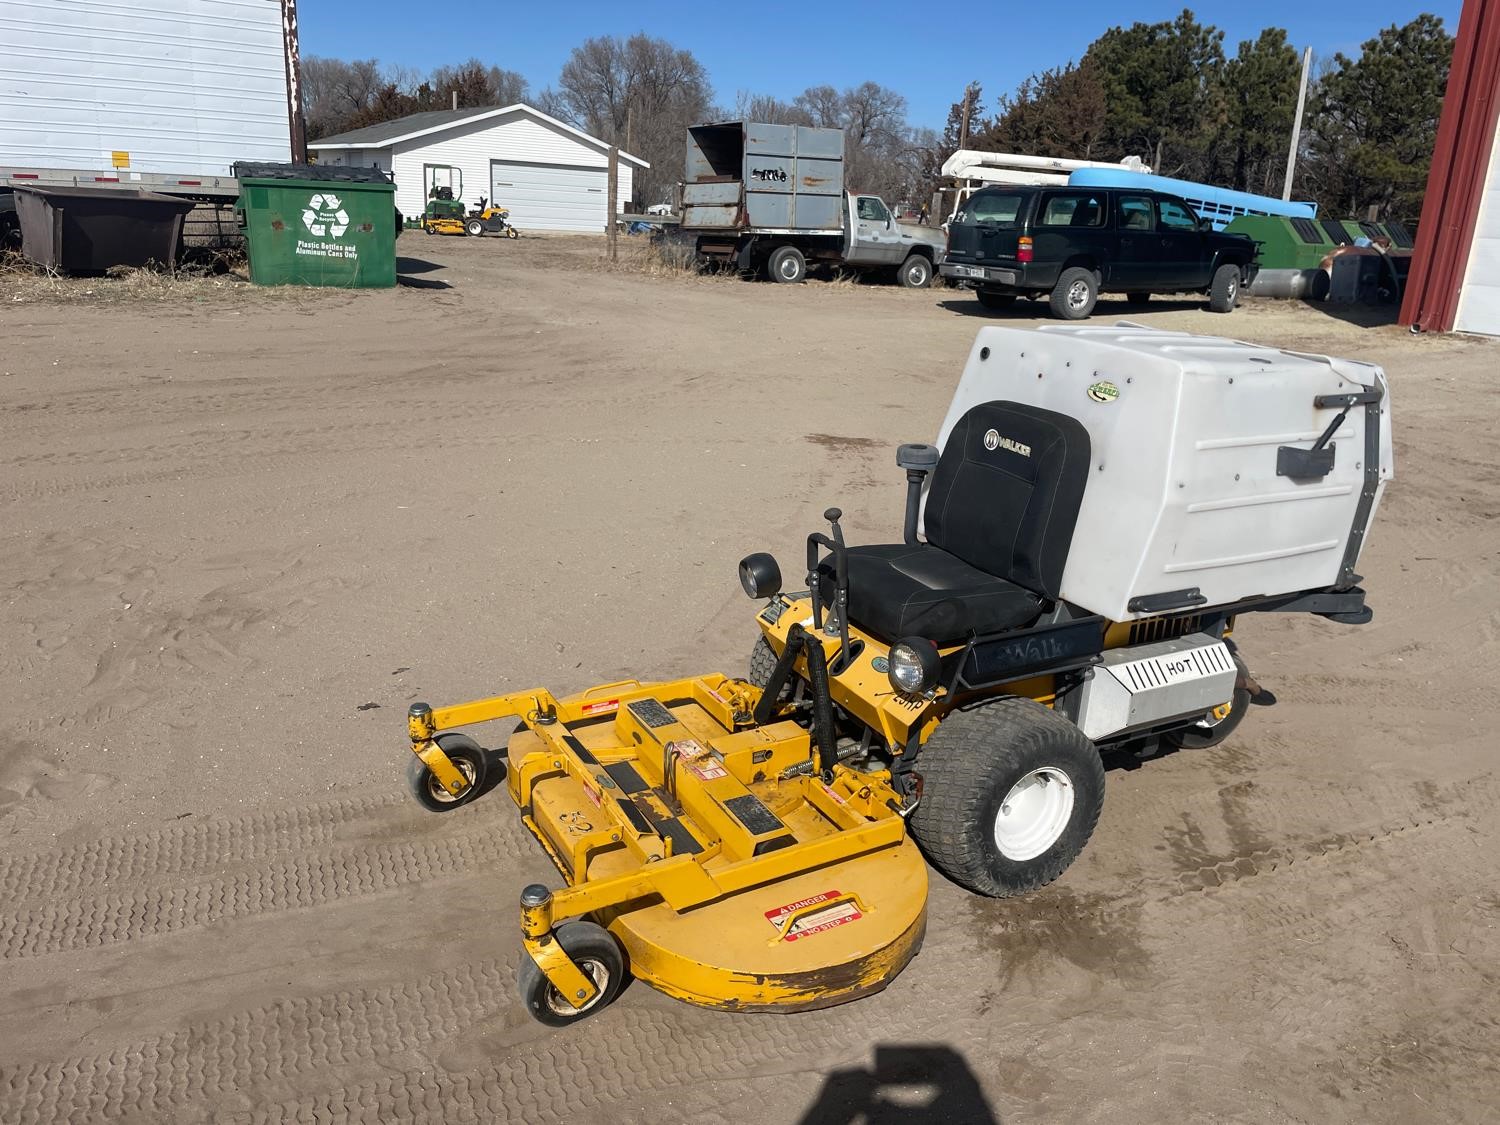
{"x": 550, "y": 175}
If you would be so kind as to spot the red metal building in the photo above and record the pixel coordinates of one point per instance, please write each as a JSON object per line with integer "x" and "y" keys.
{"x": 1454, "y": 284}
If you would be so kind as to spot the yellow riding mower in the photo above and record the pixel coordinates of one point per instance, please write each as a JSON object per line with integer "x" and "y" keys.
{"x": 489, "y": 219}
{"x": 1101, "y": 504}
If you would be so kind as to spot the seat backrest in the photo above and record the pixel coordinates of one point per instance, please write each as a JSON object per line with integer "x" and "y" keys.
{"x": 1005, "y": 493}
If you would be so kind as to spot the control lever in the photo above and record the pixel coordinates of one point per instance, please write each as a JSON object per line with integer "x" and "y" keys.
{"x": 841, "y": 596}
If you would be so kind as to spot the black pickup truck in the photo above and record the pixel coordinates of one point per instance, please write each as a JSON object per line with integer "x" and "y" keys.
{"x": 1071, "y": 244}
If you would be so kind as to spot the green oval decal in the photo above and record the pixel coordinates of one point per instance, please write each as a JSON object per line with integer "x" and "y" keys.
{"x": 1103, "y": 391}
{"x": 881, "y": 664}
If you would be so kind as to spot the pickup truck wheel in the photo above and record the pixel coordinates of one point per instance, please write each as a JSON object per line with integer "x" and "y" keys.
{"x": 1224, "y": 293}
{"x": 915, "y": 272}
{"x": 995, "y": 300}
{"x": 786, "y": 265}
{"x": 1075, "y": 294}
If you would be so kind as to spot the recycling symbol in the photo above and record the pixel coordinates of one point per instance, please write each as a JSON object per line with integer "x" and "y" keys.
{"x": 325, "y": 215}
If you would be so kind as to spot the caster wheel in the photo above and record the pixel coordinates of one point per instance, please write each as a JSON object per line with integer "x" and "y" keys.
{"x": 595, "y": 951}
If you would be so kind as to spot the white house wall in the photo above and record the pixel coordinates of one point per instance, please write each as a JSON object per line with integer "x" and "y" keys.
{"x": 471, "y": 147}
{"x": 181, "y": 86}
{"x": 1479, "y": 296}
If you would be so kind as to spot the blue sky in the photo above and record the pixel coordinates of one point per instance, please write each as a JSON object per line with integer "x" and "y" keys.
{"x": 927, "y": 52}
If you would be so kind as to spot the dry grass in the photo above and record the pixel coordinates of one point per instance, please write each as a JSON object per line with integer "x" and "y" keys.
{"x": 204, "y": 276}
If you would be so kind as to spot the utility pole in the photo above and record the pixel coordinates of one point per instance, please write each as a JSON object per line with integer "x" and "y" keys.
{"x": 292, "y": 57}
{"x": 963, "y": 127}
{"x": 613, "y": 191}
{"x": 1291, "y": 156}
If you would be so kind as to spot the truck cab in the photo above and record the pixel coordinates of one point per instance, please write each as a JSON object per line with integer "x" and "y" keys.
{"x": 873, "y": 237}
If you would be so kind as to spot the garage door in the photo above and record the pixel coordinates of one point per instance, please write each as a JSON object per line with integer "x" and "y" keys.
{"x": 550, "y": 196}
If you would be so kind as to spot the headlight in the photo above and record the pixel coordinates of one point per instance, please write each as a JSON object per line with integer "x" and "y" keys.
{"x": 914, "y": 666}
{"x": 760, "y": 576}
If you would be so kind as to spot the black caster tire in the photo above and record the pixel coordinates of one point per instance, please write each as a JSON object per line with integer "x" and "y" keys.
{"x": 595, "y": 951}
{"x": 471, "y": 762}
{"x": 1208, "y": 732}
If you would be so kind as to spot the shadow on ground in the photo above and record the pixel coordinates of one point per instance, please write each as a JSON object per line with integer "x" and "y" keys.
{"x": 917, "y": 1084}
{"x": 417, "y": 265}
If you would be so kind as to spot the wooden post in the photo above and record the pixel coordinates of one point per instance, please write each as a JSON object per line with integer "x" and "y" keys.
{"x": 292, "y": 58}
{"x": 613, "y": 203}
{"x": 1291, "y": 156}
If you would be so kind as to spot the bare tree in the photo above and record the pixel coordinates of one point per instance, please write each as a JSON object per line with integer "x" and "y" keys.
{"x": 773, "y": 111}
{"x": 824, "y": 105}
{"x": 335, "y": 91}
{"x": 641, "y": 94}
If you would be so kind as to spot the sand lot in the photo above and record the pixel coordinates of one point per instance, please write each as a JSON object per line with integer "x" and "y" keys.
{"x": 241, "y": 530}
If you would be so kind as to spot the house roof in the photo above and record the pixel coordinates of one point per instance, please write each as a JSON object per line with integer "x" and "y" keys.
{"x": 416, "y": 125}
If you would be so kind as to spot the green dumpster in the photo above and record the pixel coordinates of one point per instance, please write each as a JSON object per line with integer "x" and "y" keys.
{"x": 311, "y": 232}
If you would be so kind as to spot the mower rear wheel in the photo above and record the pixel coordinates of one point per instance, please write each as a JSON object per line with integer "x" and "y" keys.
{"x": 1208, "y": 731}
{"x": 595, "y": 951}
{"x": 474, "y": 227}
{"x": 470, "y": 760}
{"x": 1011, "y": 793}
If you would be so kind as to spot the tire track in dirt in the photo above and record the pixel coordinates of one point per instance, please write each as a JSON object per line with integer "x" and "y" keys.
{"x": 1235, "y": 830}
{"x": 182, "y": 849}
{"x": 278, "y": 1043}
{"x": 369, "y": 1035}
{"x": 294, "y": 882}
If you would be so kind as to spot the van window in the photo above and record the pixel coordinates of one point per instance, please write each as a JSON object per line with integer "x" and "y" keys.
{"x": 1000, "y": 208}
{"x": 1072, "y": 209}
{"x": 1136, "y": 213}
{"x": 1176, "y": 216}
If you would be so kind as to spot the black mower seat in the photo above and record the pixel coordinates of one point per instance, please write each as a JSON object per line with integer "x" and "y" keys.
{"x": 1001, "y": 508}
{"x": 900, "y": 591}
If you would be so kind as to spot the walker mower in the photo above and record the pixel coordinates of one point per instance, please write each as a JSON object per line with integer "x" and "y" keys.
{"x": 1100, "y": 506}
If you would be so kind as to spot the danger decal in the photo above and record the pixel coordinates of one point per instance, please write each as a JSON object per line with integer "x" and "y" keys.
{"x": 840, "y": 912}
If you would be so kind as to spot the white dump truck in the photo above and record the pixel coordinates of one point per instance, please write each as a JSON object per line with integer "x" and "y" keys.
{"x": 771, "y": 199}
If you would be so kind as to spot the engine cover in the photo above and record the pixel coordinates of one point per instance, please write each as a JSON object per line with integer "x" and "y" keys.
{"x": 1146, "y": 685}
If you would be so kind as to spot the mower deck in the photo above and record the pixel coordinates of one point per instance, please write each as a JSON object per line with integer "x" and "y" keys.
{"x": 729, "y": 882}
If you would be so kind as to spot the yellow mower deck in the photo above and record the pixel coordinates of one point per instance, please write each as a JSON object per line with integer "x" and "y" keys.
{"x": 728, "y": 884}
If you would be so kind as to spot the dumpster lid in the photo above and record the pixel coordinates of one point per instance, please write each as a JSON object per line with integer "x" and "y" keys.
{"x": 321, "y": 173}
{"x": 118, "y": 195}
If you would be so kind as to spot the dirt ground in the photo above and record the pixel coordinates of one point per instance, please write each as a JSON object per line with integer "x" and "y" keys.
{"x": 241, "y": 530}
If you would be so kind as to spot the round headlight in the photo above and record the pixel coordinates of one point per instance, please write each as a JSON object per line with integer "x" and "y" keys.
{"x": 914, "y": 666}
{"x": 760, "y": 576}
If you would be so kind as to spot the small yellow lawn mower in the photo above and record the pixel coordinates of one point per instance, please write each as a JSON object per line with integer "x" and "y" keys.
{"x": 489, "y": 219}
{"x": 1100, "y": 506}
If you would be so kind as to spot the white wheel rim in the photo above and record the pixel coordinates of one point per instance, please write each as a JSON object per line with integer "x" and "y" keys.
{"x": 1034, "y": 814}
{"x": 438, "y": 793}
{"x": 1078, "y": 295}
{"x": 789, "y": 268}
{"x": 917, "y": 273}
{"x": 598, "y": 973}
